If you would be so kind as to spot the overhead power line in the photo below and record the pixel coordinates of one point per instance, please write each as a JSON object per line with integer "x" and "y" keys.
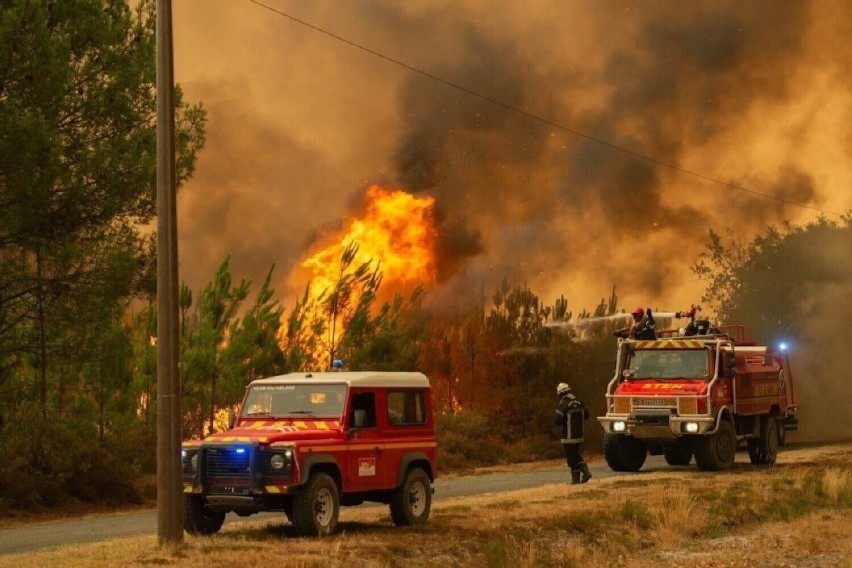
{"x": 538, "y": 118}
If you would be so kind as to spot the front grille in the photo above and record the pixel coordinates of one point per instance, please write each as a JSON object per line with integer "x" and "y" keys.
{"x": 652, "y": 419}
{"x": 227, "y": 469}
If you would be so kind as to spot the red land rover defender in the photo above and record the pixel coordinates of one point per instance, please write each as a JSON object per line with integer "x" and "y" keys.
{"x": 307, "y": 443}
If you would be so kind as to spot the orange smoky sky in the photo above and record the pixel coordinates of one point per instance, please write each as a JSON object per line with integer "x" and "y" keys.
{"x": 301, "y": 124}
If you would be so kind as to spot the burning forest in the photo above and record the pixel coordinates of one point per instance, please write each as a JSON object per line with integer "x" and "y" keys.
{"x": 429, "y": 194}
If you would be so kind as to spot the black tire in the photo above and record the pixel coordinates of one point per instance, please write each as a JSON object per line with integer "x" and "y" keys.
{"x": 624, "y": 453}
{"x": 717, "y": 451}
{"x": 764, "y": 450}
{"x": 611, "y": 453}
{"x": 288, "y": 509}
{"x": 317, "y": 506}
{"x": 197, "y": 520}
{"x": 782, "y": 433}
{"x": 411, "y": 502}
{"x": 680, "y": 454}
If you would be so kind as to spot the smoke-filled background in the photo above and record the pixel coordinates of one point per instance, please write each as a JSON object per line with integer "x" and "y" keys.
{"x": 756, "y": 94}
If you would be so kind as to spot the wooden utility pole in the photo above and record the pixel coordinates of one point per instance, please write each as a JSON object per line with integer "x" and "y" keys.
{"x": 169, "y": 495}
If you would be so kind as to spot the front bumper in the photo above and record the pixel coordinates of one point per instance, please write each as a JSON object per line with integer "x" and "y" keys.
{"x": 240, "y": 474}
{"x": 656, "y": 425}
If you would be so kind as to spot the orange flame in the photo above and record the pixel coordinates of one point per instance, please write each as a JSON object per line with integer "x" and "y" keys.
{"x": 396, "y": 233}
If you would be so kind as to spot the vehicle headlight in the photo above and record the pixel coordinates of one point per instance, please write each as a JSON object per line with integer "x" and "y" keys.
{"x": 277, "y": 461}
{"x": 619, "y": 426}
{"x": 690, "y": 427}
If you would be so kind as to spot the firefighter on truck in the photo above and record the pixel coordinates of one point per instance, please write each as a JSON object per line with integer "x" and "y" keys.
{"x": 697, "y": 393}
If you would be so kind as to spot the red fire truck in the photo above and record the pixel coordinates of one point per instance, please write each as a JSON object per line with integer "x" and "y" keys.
{"x": 307, "y": 443}
{"x": 697, "y": 395}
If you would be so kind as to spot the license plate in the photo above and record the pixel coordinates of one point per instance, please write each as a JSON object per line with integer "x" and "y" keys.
{"x": 653, "y": 402}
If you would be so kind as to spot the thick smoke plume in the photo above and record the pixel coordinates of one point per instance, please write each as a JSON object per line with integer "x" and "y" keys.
{"x": 822, "y": 365}
{"x": 299, "y": 123}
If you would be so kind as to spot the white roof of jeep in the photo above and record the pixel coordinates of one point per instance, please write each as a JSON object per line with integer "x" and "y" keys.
{"x": 351, "y": 378}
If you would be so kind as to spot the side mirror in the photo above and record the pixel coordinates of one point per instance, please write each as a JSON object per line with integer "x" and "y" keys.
{"x": 729, "y": 364}
{"x": 232, "y": 419}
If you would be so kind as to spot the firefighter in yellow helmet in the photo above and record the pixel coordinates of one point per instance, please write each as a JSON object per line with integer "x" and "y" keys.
{"x": 570, "y": 415}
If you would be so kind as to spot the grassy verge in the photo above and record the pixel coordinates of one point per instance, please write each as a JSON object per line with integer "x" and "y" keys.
{"x": 747, "y": 516}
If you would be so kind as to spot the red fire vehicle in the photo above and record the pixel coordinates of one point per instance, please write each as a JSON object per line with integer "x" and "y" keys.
{"x": 308, "y": 443}
{"x": 697, "y": 395}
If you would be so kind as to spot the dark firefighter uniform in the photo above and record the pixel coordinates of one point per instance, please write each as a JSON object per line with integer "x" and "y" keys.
{"x": 570, "y": 416}
{"x": 643, "y": 327}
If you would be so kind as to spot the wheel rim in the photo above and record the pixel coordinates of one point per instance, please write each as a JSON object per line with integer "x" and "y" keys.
{"x": 417, "y": 499}
{"x": 323, "y": 507}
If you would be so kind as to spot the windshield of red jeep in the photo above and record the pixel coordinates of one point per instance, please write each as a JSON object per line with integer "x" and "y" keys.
{"x": 295, "y": 401}
{"x": 667, "y": 364}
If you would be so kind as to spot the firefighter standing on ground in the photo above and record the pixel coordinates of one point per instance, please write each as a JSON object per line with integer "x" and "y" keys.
{"x": 569, "y": 416}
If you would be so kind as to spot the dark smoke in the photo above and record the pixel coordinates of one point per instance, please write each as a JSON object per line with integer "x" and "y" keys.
{"x": 822, "y": 364}
{"x": 547, "y": 203}
{"x": 300, "y": 123}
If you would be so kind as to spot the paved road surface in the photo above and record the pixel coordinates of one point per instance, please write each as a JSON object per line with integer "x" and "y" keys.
{"x": 103, "y": 527}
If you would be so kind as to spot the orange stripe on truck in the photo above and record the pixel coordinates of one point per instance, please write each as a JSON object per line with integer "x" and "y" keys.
{"x": 669, "y": 344}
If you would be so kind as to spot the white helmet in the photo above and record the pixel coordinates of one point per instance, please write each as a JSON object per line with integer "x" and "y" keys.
{"x": 563, "y": 388}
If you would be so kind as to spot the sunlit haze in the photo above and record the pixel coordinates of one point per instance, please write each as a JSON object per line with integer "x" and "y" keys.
{"x": 301, "y": 125}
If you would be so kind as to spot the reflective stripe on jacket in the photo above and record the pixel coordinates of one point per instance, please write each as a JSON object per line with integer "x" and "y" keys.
{"x": 569, "y": 416}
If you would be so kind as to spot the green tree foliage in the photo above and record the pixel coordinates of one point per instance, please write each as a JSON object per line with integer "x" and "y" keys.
{"x": 532, "y": 357}
{"x": 77, "y": 154}
{"x": 793, "y": 284}
{"x": 768, "y": 283}
{"x": 253, "y": 350}
{"x": 143, "y": 339}
{"x": 300, "y": 343}
{"x": 223, "y": 349}
{"x": 203, "y": 364}
{"x": 77, "y": 180}
{"x": 391, "y": 340}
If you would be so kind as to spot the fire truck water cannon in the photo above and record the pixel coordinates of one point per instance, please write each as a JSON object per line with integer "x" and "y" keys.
{"x": 690, "y": 313}
{"x": 697, "y": 392}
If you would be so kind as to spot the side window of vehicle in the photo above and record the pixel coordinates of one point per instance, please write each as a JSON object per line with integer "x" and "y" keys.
{"x": 364, "y": 402}
{"x": 406, "y": 407}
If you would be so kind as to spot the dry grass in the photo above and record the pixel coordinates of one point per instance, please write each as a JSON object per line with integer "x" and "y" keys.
{"x": 677, "y": 517}
{"x": 797, "y": 512}
{"x": 837, "y": 484}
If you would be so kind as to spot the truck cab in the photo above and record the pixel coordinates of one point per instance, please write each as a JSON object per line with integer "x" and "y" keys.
{"x": 307, "y": 443}
{"x": 685, "y": 396}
